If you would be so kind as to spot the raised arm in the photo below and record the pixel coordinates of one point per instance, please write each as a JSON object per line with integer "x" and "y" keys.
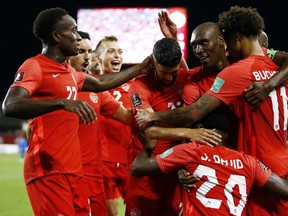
{"x": 169, "y": 30}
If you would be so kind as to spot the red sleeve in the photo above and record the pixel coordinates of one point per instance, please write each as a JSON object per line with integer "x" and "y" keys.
{"x": 28, "y": 76}
{"x": 191, "y": 94}
{"x": 230, "y": 84}
{"x": 262, "y": 173}
{"x": 176, "y": 157}
{"x": 139, "y": 95}
{"x": 109, "y": 105}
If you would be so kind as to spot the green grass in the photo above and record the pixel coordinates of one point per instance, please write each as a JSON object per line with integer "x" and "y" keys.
{"x": 13, "y": 197}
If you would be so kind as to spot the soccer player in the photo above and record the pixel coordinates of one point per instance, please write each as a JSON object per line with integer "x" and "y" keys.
{"x": 263, "y": 40}
{"x": 261, "y": 132}
{"x": 226, "y": 176}
{"x": 89, "y": 135}
{"x": 161, "y": 90}
{"x": 94, "y": 66}
{"x": 45, "y": 92}
{"x": 115, "y": 136}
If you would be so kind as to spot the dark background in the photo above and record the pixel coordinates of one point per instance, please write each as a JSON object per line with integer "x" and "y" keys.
{"x": 19, "y": 42}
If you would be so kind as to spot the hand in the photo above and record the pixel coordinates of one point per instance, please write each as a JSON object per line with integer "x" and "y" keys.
{"x": 142, "y": 118}
{"x": 85, "y": 112}
{"x": 147, "y": 65}
{"x": 187, "y": 180}
{"x": 256, "y": 93}
{"x": 205, "y": 136}
{"x": 167, "y": 26}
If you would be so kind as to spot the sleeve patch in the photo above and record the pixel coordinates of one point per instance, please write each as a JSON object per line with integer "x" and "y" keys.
{"x": 166, "y": 153}
{"x": 19, "y": 76}
{"x": 217, "y": 85}
{"x": 271, "y": 53}
{"x": 136, "y": 99}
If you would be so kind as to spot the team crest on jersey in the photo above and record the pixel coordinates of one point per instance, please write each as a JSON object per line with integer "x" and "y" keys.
{"x": 265, "y": 168}
{"x": 125, "y": 87}
{"x": 19, "y": 76}
{"x": 166, "y": 153}
{"x": 217, "y": 85}
{"x": 135, "y": 212}
{"x": 136, "y": 99}
{"x": 93, "y": 97}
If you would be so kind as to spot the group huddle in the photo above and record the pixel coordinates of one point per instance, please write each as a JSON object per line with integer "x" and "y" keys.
{"x": 169, "y": 140}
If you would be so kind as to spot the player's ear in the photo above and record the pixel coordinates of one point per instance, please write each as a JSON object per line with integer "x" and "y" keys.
{"x": 221, "y": 40}
{"x": 55, "y": 36}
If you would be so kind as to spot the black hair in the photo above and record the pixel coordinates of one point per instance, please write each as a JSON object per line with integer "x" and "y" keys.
{"x": 46, "y": 21}
{"x": 84, "y": 35}
{"x": 245, "y": 20}
{"x": 167, "y": 52}
{"x": 216, "y": 120}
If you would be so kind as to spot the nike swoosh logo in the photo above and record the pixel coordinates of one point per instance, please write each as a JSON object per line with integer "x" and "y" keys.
{"x": 55, "y": 75}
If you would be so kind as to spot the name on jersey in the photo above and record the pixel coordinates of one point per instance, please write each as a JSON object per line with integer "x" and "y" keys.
{"x": 235, "y": 163}
{"x": 263, "y": 75}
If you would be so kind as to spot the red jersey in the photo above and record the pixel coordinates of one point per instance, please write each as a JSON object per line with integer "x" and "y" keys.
{"x": 116, "y": 136}
{"x": 261, "y": 132}
{"x": 89, "y": 135}
{"x": 226, "y": 177}
{"x": 148, "y": 92}
{"x": 201, "y": 81}
{"x": 54, "y": 145}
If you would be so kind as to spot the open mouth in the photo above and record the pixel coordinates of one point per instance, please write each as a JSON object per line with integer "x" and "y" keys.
{"x": 116, "y": 65}
{"x": 85, "y": 65}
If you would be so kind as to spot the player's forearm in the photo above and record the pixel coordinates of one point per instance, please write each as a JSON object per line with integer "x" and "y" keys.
{"x": 156, "y": 132}
{"x": 276, "y": 80}
{"x": 25, "y": 108}
{"x": 177, "y": 116}
{"x": 140, "y": 163}
{"x": 112, "y": 80}
{"x": 281, "y": 59}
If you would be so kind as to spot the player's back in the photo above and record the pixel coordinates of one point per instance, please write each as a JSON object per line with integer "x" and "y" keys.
{"x": 226, "y": 179}
{"x": 261, "y": 131}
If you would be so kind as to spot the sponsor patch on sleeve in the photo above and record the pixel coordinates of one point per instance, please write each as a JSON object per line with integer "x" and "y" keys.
{"x": 217, "y": 85}
{"x": 166, "y": 153}
{"x": 19, "y": 76}
{"x": 136, "y": 99}
{"x": 271, "y": 53}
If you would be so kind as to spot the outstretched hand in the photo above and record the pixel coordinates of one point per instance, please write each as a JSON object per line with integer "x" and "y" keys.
{"x": 85, "y": 112}
{"x": 167, "y": 26}
{"x": 256, "y": 93}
